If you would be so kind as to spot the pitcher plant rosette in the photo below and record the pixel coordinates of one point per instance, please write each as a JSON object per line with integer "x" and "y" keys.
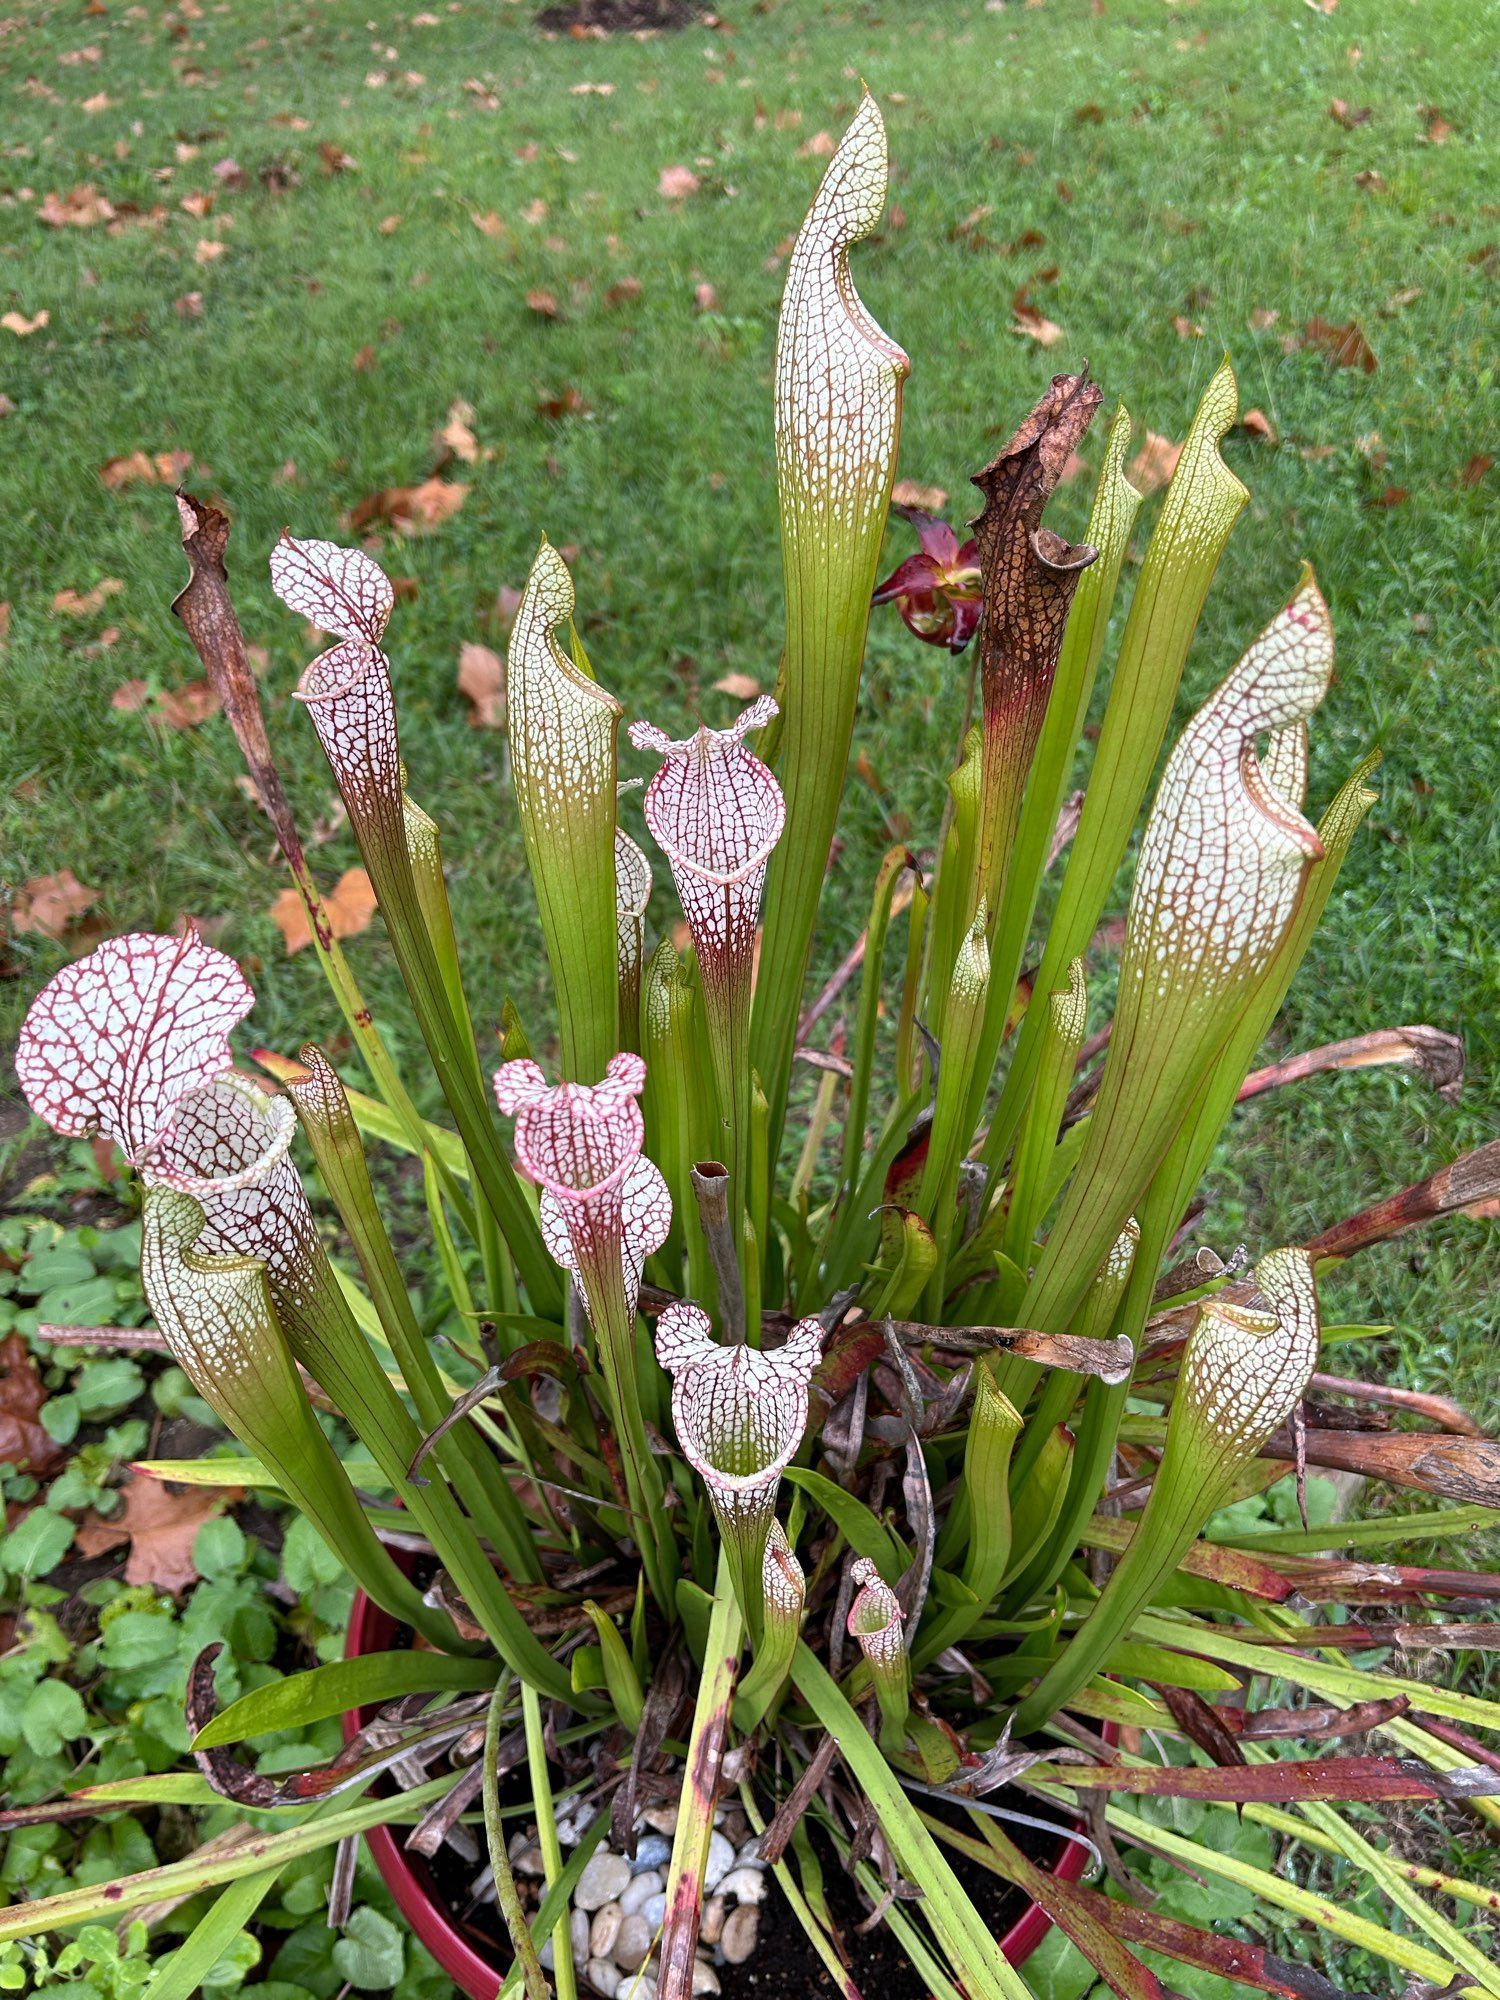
{"x": 842, "y": 1419}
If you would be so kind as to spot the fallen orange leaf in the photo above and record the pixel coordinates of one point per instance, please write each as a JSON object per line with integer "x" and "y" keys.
{"x": 80, "y": 208}
{"x": 1154, "y": 464}
{"x": 676, "y": 183}
{"x": 164, "y": 468}
{"x": 20, "y": 326}
{"x": 83, "y": 604}
{"x": 1025, "y": 318}
{"x": 481, "y": 680}
{"x": 47, "y": 904}
{"x": 411, "y": 510}
{"x": 1345, "y": 346}
{"x": 926, "y": 499}
{"x": 161, "y": 1524}
{"x": 350, "y": 904}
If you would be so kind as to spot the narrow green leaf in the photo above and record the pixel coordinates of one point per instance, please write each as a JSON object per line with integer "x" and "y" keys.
{"x": 302, "y": 1699}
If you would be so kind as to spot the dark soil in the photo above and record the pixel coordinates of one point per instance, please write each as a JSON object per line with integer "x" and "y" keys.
{"x": 619, "y": 17}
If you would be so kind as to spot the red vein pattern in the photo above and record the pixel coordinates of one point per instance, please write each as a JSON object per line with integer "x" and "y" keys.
{"x": 114, "y": 1042}
{"x": 875, "y": 1616}
{"x": 739, "y": 1411}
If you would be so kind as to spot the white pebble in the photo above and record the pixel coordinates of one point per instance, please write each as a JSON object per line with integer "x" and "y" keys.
{"x": 705, "y": 1979}
{"x": 654, "y": 1910}
{"x": 740, "y": 1929}
{"x": 578, "y": 1931}
{"x": 605, "y": 1929}
{"x": 547, "y": 1955}
{"x": 750, "y": 1855}
{"x": 720, "y": 1861}
{"x": 745, "y": 1885}
{"x": 633, "y": 1945}
{"x": 639, "y": 1986}
{"x": 715, "y": 1910}
{"x": 653, "y": 1850}
{"x": 529, "y": 1862}
{"x": 517, "y": 1846}
{"x": 662, "y": 1818}
{"x": 638, "y": 1891}
{"x": 603, "y": 1878}
{"x": 603, "y": 1977}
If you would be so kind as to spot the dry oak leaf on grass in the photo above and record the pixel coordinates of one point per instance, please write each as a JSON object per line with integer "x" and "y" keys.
{"x": 350, "y": 904}
{"x": 162, "y": 468}
{"x": 481, "y": 680}
{"x": 926, "y": 499}
{"x": 47, "y": 904}
{"x": 21, "y": 327}
{"x": 1344, "y": 346}
{"x": 1029, "y": 320}
{"x": 24, "y": 1442}
{"x": 80, "y": 208}
{"x": 456, "y": 439}
{"x": 411, "y": 510}
{"x": 175, "y": 708}
{"x": 743, "y": 687}
{"x": 1154, "y": 464}
{"x": 86, "y": 603}
{"x": 677, "y": 183}
{"x": 160, "y": 1522}
{"x": 1258, "y": 425}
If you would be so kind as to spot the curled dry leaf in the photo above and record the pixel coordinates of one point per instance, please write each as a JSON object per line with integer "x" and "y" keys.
{"x": 1258, "y": 425}
{"x": 543, "y": 304}
{"x": 349, "y": 905}
{"x": 705, "y": 299}
{"x": 411, "y": 510}
{"x": 481, "y": 679}
{"x": 85, "y": 603}
{"x": 24, "y": 1440}
{"x": 926, "y": 499}
{"x": 677, "y": 183}
{"x": 1154, "y": 464}
{"x": 743, "y": 687}
{"x": 622, "y": 292}
{"x": 1344, "y": 346}
{"x": 80, "y": 208}
{"x": 456, "y": 438}
{"x": 47, "y": 904}
{"x": 1027, "y": 319}
{"x": 20, "y": 326}
{"x": 162, "y": 468}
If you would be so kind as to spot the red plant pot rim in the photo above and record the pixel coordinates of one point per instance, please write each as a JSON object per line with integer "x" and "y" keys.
{"x": 409, "y": 1879}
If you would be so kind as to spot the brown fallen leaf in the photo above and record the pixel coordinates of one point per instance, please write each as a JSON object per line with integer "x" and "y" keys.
{"x": 1262, "y": 317}
{"x": 196, "y": 205}
{"x": 335, "y": 159}
{"x": 534, "y": 214}
{"x": 490, "y": 224}
{"x": 677, "y": 183}
{"x": 47, "y": 904}
{"x": 481, "y": 680}
{"x": 162, "y": 468}
{"x": 411, "y": 510}
{"x": 1481, "y": 463}
{"x": 507, "y": 604}
{"x": 1154, "y": 464}
{"x": 568, "y": 403}
{"x": 160, "y": 1522}
{"x": 543, "y": 304}
{"x": 821, "y": 146}
{"x": 24, "y": 1442}
{"x": 80, "y": 208}
{"x": 350, "y": 904}
{"x": 5, "y": 603}
{"x": 185, "y": 707}
{"x": 926, "y": 499}
{"x": 364, "y": 359}
{"x": 1368, "y": 179}
{"x": 21, "y": 327}
{"x": 130, "y": 696}
{"x": 389, "y": 224}
{"x": 742, "y": 687}
{"x": 456, "y": 438}
{"x": 1346, "y": 115}
{"x": 622, "y": 292}
{"x": 1344, "y": 346}
{"x": 84, "y": 604}
{"x": 189, "y": 306}
{"x": 1390, "y": 496}
{"x": 209, "y": 250}
{"x": 1436, "y": 130}
{"x": 1027, "y": 319}
{"x": 1258, "y": 425}
{"x": 1185, "y": 328}
{"x": 1399, "y": 301}
{"x": 705, "y": 299}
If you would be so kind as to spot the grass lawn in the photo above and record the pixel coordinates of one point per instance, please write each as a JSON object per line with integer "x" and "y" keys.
{"x": 412, "y": 186}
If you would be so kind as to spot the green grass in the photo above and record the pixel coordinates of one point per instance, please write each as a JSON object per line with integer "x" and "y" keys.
{"x": 1213, "y": 183}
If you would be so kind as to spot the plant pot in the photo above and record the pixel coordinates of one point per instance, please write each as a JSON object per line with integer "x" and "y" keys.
{"x": 410, "y": 1880}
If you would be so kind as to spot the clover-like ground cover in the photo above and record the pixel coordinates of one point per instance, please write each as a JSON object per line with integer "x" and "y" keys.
{"x": 1209, "y": 166}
